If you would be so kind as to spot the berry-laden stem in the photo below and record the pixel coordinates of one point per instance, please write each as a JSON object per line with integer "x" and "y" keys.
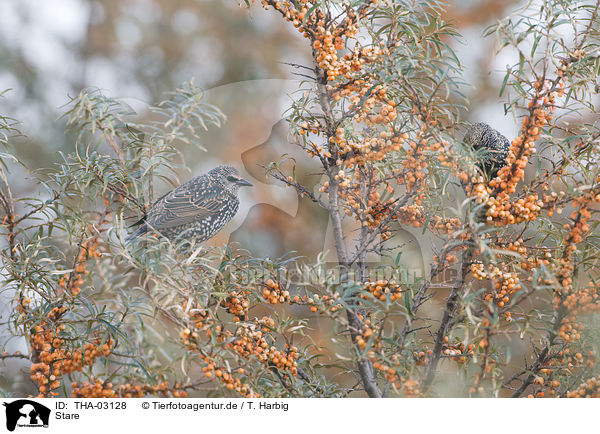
{"x": 313, "y": 27}
{"x": 447, "y": 319}
{"x": 365, "y": 366}
{"x": 561, "y": 310}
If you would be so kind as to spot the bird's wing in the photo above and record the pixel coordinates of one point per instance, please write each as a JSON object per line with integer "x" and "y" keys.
{"x": 190, "y": 202}
{"x": 145, "y": 216}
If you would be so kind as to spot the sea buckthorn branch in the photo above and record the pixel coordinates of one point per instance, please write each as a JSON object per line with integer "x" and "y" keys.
{"x": 23, "y": 276}
{"x": 487, "y": 361}
{"x": 566, "y": 305}
{"x": 559, "y": 168}
{"x": 355, "y": 326}
{"x": 204, "y": 321}
{"x": 419, "y": 298}
{"x": 226, "y": 377}
{"x": 56, "y": 354}
{"x": 367, "y": 238}
{"x": 252, "y": 339}
{"x": 447, "y": 319}
{"x": 51, "y": 349}
{"x": 120, "y": 191}
{"x": 421, "y": 295}
{"x": 541, "y": 359}
{"x": 588, "y": 389}
{"x": 501, "y": 210}
{"x": 505, "y": 284}
{"x": 15, "y": 355}
{"x": 391, "y": 364}
{"x": 9, "y": 219}
{"x": 496, "y": 195}
{"x": 587, "y": 31}
{"x": 349, "y": 159}
{"x": 68, "y": 345}
{"x": 364, "y": 365}
{"x": 97, "y": 388}
{"x": 564, "y": 327}
{"x": 54, "y": 357}
{"x": 107, "y": 133}
{"x": 86, "y": 249}
{"x": 288, "y": 180}
{"x": 365, "y": 175}
{"x": 36, "y": 209}
{"x": 416, "y": 302}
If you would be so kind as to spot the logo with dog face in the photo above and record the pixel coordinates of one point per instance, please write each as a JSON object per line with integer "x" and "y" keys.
{"x": 26, "y": 413}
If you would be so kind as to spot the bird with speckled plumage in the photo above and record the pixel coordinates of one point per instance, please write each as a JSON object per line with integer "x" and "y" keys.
{"x": 197, "y": 209}
{"x": 492, "y": 147}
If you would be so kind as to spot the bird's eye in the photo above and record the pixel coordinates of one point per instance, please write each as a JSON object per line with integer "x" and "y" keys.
{"x": 232, "y": 178}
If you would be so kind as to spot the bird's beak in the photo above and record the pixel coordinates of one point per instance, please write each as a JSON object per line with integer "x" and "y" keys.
{"x": 242, "y": 182}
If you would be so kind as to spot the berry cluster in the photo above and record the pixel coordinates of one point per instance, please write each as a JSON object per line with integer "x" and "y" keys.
{"x": 203, "y": 321}
{"x": 388, "y": 372}
{"x": 421, "y": 358}
{"x": 501, "y": 210}
{"x": 325, "y": 303}
{"x": 105, "y": 389}
{"x": 458, "y": 352}
{"x": 355, "y": 151}
{"x": 87, "y": 250}
{"x": 589, "y": 389}
{"x": 505, "y": 283}
{"x": 447, "y": 257}
{"x": 274, "y": 294}
{"x": 529, "y": 259}
{"x": 226, "y": 377}
{"x": 567, "y": 298}
{"x": 576, "y": 302}
{"x": 54, "y": 357}
{"x": 415, "y": 215}
{"x": 251, "y": 340}
{"x": 367, "y": 336}
{"x": 311, "y": 23}
{"x": 416, "y": 162}
{"x": 237, "y": 304}
{"x": 548, "y": 378}
{"x": 327, "y": 40}
{"x": 410, "y": 388}
{"x": 551, "y": 200}
{"x": 382, "y": 289}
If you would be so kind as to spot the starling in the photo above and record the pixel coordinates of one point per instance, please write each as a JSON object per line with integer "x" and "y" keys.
{"x": 492, "y": 147}
{"x": 196, "y": 210}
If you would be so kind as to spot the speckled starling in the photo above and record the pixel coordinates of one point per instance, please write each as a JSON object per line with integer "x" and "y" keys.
{"x": 196, "y": 210}
{"x": 491, "y": 146}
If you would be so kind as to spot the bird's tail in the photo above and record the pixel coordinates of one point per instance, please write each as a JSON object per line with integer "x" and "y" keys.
{"x": 141, "y": 231}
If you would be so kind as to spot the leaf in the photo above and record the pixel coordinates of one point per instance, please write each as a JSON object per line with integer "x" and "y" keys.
{"x": 407, "y": 304}
{"x": 535, "y": 43}
{"x": 508, "y": 73}
{"x": 397, "y": 260}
